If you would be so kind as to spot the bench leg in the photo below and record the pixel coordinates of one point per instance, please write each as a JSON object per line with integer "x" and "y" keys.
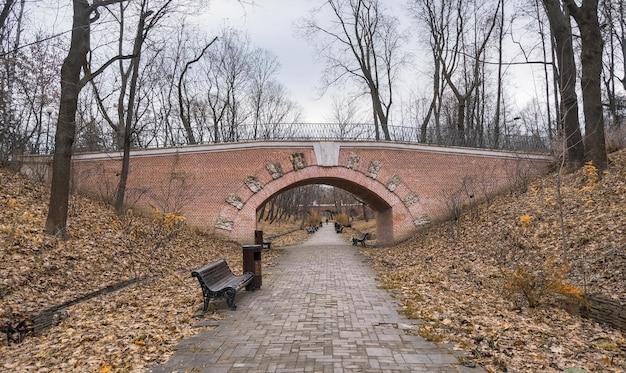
{"x": 206, "y": 303}
{"x": 230, "y": 298}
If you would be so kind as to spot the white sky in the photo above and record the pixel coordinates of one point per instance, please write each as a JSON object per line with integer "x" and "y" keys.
{"x": 271, "y": 26}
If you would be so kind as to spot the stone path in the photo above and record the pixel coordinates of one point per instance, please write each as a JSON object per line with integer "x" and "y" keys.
{"x": 319, "y": 310}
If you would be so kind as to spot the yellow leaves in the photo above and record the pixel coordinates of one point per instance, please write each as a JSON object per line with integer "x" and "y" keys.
{"x": 27, "y": 217}
{"x": 12, "y": 203}
{"x": 592, "y": 176}
{"x": 525, "y": 221}
{"x": 172, "y": 219}
{"x": 106, "y": 368}
{"x": 141, "y": 340}
{"x": 568, "y": 290}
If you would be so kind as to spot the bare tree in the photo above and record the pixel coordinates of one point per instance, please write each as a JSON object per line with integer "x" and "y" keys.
{"x": 148, "y": 20}
{"x": 437, "y": 18}
{"x": 183, "y": 104}
{"x": 37, "y": 71}
{"x": 496, "y": 120}
{"x": 75, "y": 74}
{"x": 228, "y": 78}
{"x": 262, "y": 72}
{"x": 345, "y": 113}
{"x": 361, "y": 44}
{"x": 270, "y": 105}
{"x": 546, "y": 66}
{"x": 472, "y": 74}
{"x": 10, "y": 35}
{"x": 4, "y": 14}
{"x": 459, "y": 33}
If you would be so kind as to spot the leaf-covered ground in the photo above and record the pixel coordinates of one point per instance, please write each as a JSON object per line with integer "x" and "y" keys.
{"x": 463, "y": 280}
{"x": 127, "y": 330}
{"x": 471, "y": 282}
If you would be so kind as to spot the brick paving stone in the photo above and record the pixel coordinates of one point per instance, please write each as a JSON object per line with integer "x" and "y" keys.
{"x": 319, "y": 310}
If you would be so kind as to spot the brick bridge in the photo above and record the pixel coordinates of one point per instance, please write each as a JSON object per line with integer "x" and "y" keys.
{"x": 220, "y": 187}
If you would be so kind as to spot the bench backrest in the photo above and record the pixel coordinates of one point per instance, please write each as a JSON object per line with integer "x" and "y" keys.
{"x": 213, "y": 272}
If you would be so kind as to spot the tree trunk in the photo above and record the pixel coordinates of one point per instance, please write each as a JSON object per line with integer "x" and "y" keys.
{"x": 496, "y": 121}
{"x": 561, "y": 31}
{"x": 546, "y": 74}
{"x": 130, "y": 113}
{"x": 56, "y": 221}
{"x": 586, "y": 17}
{"x": 4, "y": 14}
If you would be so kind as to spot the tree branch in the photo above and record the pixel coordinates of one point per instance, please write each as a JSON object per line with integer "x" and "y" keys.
{"x": 89, "y": 75}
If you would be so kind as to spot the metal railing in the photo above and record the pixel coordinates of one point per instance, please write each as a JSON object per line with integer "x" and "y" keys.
{"x": 399, "y": 134}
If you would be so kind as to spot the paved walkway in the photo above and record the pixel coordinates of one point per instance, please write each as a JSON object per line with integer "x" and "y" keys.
{"x": 319, "y": 310}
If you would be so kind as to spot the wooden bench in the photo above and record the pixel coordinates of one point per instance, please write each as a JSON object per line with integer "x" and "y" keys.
{"x": 218, "y": 281}
{"x": 356, "y": 241}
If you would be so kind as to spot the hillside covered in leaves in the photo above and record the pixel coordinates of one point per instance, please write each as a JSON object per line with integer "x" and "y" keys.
{"x": 495, "y": 282}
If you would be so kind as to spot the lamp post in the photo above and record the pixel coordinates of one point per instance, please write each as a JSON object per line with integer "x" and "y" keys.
{"x": 49, "y": 111}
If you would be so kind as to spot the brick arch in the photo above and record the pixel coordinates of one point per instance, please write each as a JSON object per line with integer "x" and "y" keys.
{"x": 388, "y": 205}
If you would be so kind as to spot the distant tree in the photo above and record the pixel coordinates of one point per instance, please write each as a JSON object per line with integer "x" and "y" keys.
{"x": 272, "y": 112}
{"x": 11, "y": 139}
{"x": 183, "y": 101}
{"x": 363, "y": 44}
{"x": 345, "y": 113}
{"x": 228, "y": 78}
{"x": 36, "y": 88}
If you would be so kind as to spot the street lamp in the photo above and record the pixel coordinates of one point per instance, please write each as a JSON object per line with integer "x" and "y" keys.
{"x": 49, "y": 111}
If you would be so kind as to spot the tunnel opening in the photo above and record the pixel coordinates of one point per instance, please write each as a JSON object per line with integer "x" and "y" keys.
{"x": 315, "y": 201}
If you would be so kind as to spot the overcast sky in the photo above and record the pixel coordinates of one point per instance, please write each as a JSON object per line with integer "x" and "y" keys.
{"x": 271, "y": 26}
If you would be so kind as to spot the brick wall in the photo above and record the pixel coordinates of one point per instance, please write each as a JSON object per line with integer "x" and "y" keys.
{"x": 219, "y": 187}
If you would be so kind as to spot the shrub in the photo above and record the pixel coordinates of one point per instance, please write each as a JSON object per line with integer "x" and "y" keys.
{"x": 343, "y": 219}
{"x": 531, "y": 285}
{"x": 535, "y": 285}
{"x": 313, "y": 218}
